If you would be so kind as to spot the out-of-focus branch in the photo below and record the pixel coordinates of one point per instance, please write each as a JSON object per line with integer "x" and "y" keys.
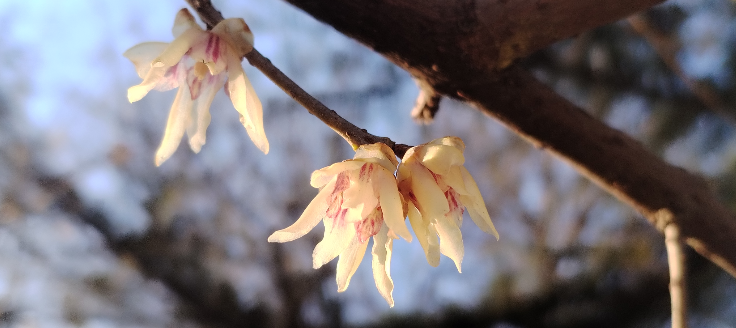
{"x": 354, "y": 135}
{"x": 667, "y": 47}
{"x": 676, "y": 261}
{"x": 460, "y": 47}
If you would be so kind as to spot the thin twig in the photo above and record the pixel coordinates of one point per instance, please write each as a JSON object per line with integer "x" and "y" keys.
{"x": 354, "y": 135}
{"x": 666, "y": 48}
{"x": 676, "y": 260}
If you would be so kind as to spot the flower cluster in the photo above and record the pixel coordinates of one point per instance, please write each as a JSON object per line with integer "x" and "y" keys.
{"x": 199, "y": 63}
{"x": 368, "y": 196}
{"x": 360, "y": 198}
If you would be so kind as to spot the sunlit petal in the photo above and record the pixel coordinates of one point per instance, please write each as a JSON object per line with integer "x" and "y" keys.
{"x": 451, "y": 240}
{"x": 348, "y": 263}
{"x": 314, "y": 212}
{"x": 431, "y": 198}
{"x": 382, "y": 249}
{"x": 421, "y": 230}
{"x": 142, "y": 55}
{"x": 393, "y": 210}
{"x": 439, "y": 158}
{"x": 475, "y": 204}
{"x": 337, "y": 238}
{"x": 323, "y": 175}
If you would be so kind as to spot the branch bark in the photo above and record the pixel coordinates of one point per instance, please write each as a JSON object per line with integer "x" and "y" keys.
{"x": 466, "y": 48}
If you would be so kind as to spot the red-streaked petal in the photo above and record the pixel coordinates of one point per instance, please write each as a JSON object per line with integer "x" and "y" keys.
{"x": 197, "y": 129}
{"x": 473, "y": 201}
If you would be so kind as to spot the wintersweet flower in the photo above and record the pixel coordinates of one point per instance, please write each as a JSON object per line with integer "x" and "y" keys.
{"x": 437, "y": 188}
{"x": 358, "y": 199}
{"x": 199, "y": 63}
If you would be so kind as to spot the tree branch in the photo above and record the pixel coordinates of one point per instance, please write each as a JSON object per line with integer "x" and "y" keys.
{"x": 459, "y": 47}
{"x": 676, "y": 260}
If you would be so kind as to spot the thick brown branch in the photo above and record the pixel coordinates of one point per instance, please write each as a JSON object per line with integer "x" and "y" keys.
{"x": 458, "y": 48}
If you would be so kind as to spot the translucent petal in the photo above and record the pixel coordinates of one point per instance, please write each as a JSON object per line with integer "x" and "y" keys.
{"x": 142, "y": 55}
{"x": 393, "y": 210}
{"x": 378, "y": 153}
{"x": 449, "y": 141}
{"x": 323, "y": 175}
{"x": 314, "y": 212}
{"x": 360, "y": 194}
{"x": 382, "y": 248}
{"x": 180, "y": 110}
{"x": 421, "y": 230}
{"x": 348, "y": 263}
{"x": 440, "y": 158}
{"x": 237, "y": 34}
{"x": 183, "y": 21}
{"x": 337, "y": 238}
{"x": 153, "y": 78}
{"x": 432, "y": 201}
{"x": 473, "y": 201}
{"x": 246, "y": 102}
{"x": 176, "y": 49}
{"x": 197, "y": 127}
{"x": 451, "y": 240}
{"x": 454, "y": 178}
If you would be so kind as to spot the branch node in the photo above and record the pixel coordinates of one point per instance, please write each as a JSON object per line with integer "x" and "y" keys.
{"x": 427, "y": 105}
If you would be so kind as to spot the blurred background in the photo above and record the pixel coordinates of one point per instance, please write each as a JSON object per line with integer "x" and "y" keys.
{"x": 92, "y": 234}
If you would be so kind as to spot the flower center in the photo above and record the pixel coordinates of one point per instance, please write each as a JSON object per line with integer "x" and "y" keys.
{"x": 200, "y": 70}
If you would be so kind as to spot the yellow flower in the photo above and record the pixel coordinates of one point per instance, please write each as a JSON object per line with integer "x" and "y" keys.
{"x": 358, "y": 199}
{"x": 199, "y": 63}
{"x": 436, "y": 186}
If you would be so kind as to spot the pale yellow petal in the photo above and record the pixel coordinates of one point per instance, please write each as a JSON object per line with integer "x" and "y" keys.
{"x": 178, "y": 115}
{"x": 360, "y": 196}
{"x": 323, "y": 175}
{"x": 348, "y": 263}
{"x": 197, "y": 127}
{"x": 393, "y": 209}
{"x": 421, "y": 230}
{"x": 237, "y": 34}
{"x": 432, "y": 201}
{"x": 337, "y": 238}
{"x": 183, "y": 21}
{"x": 177, "y": 48}
{"x": 451, "y": 240}
{"x": 473, "y": 201}
{"x": 378, "y": 153}
{"x": 454, "y": 178}
{"x": 449, "y": 141}
{"x": 246, "y": 102}
{"x": 382, "y": 249}
{"x": 142, "y": 55}
{"x": 314, "y": 212}
{"x": 440, "y": 158}
{"x": 153, "y": 78}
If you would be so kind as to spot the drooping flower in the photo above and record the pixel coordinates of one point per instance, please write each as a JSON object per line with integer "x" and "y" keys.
{"x": 199, "y": 63}
{"x": 437, "y": 189}
{"x": 358, "y": 199}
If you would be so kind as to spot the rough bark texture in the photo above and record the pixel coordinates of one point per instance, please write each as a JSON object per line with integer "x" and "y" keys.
{"x": 466, "y": 48}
